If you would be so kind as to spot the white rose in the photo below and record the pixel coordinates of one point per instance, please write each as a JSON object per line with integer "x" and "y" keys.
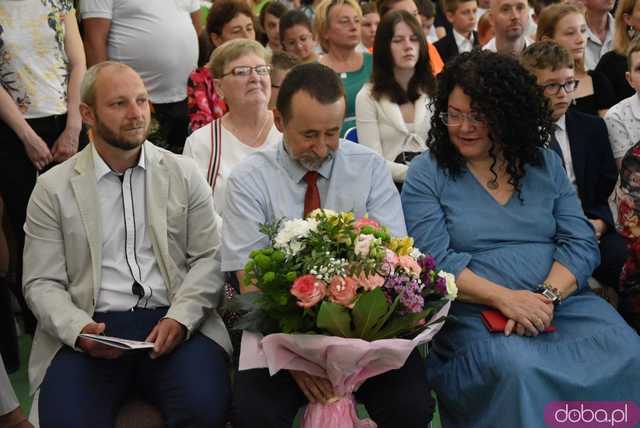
{"x": 362, "y": 246}
{"x": 452, "y": 288}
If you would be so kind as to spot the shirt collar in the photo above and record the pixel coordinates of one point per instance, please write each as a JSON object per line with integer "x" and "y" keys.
{"x": 562, "y": 123}
{"x": 460, "y": 39}
{"x": 610, "y": 29}
{"x": 296, "y": 171}
{"x": 103, "y": 169}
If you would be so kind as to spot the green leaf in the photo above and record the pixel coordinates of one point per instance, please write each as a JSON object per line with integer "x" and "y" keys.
{"x": 335, "y": 319}
{"x": 369, "y": 309}
{"x": 401, "y": 325}
{"x": 386, "y": 317}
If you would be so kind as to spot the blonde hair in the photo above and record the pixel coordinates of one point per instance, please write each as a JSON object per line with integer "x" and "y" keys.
{"x": 548, "y": 21}
{"x": 621, "y": 39}
{"x": 232, "y": 50}
{"x": 321, "y": 20}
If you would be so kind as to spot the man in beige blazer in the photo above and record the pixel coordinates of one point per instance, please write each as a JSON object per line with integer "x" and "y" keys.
{"x": 122, "y": 239}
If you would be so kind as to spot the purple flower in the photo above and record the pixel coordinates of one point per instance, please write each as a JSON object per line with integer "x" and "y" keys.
{"x": 427, "y": 263}
{"x": 441, "y": 285}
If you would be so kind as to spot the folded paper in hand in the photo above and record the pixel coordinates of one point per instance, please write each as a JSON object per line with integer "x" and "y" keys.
{"x": 116, "y": 342}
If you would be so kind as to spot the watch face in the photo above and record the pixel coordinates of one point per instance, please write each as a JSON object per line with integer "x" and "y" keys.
{"x": 550, "y": 295}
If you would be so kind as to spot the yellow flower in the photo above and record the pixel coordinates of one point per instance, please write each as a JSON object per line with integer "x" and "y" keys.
{"x": 402, "y": 246}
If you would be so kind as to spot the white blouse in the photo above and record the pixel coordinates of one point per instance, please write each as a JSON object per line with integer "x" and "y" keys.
{"x": 382, "y": 128}
{"x": 198, "y": 147}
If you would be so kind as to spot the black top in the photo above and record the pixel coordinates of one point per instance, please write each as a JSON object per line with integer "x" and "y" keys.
{"x": 614, "y": 66}
{"x": 602, "y": 98}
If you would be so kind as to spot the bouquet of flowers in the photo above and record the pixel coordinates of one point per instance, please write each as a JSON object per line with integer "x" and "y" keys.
{"x": 332, "y": 287}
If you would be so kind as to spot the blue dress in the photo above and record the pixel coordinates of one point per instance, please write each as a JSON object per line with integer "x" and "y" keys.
{"x": 490, "y": 380}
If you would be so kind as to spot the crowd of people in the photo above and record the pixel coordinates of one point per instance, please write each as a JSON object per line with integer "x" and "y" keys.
{"x": 144, "y": 145}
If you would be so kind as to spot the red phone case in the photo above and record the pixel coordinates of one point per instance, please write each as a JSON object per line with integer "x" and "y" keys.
{"x": 496, "y": 322}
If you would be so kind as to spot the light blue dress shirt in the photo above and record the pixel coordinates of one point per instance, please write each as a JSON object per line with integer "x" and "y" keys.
{"x": 269, "y": 185}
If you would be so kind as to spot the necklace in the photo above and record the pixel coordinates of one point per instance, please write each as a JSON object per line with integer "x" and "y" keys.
{"x": 256, "y": 138}
{"x": 493, "y": 184}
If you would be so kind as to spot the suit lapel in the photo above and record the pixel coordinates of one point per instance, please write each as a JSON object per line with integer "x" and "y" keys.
{"x": 84, "y": 190}
{"x": 577, "y": 143}
{"x": 157, "y": 194}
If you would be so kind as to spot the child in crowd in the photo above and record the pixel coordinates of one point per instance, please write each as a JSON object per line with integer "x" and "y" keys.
{"x": 370, "y": 22}
{"x": 427, "y": 13}
{"x": 623, "y": 119}
{"x": 485, "y": 29}
{"x": 582, "y": 143}
{"x": 270, "y": 24}
{"x": 297, "y": 36}
{"x": 281, "y": 64}
{"x": 462, "y": 38}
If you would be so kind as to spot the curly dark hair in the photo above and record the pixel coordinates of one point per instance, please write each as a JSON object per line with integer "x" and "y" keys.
{"x": 513, "y": 105}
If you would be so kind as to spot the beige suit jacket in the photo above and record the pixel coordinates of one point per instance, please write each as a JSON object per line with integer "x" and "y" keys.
{"x": 62, "y": 255}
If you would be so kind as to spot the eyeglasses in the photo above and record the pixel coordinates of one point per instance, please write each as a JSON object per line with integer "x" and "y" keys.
{"x": 456, "y": 118}
{"x": 554, "y": 88}
{"x": 245, "y": 70}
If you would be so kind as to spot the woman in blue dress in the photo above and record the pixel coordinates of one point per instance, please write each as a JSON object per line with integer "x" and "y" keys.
{"x": 496, "y": 209}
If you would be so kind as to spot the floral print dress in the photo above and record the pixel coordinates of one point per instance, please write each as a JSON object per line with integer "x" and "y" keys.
{"x": 628, "y": 197}
{"x": 205, "y": 105}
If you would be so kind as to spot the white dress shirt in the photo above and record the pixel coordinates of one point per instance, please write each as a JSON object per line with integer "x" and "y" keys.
{"x": 491, "y": 44}
{"x": 623, "y": 125}
{"x": 464, "y": 44}
{"x": 560, "y": 130}
{"x": 595, "y": 47}
{"x": 127, "y": 254}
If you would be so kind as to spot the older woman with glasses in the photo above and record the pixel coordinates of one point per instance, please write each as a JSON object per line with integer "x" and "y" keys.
{"x": 241, "y": 76}
{"x": 497, "y": 210}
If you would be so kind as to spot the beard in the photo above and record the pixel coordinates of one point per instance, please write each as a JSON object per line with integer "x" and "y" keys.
{"x": 313, "y": 163}
{"x": 117, "y": 139}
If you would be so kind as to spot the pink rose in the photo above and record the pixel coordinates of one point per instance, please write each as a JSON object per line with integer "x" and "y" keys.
{"x": 389, "y": 262}
{"x": 370, "y": 282}
{"x": 308, "y": 290}
{"x": 363, "y": 245}
{"x": 343, "y": 291}
{"x": 410, "y": 264}
{"x": 362, "y": 222}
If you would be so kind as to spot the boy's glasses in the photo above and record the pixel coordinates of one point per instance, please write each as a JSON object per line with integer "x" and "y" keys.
{"x": 554, "y": 88}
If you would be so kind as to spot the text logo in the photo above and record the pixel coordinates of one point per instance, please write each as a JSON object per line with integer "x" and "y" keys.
{"x": 591, "y": 414}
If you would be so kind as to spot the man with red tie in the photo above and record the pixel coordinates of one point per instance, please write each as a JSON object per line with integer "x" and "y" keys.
{"x": 313, "y": 168}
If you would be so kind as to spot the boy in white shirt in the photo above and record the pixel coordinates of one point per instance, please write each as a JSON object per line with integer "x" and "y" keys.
{"x": 623, "y": 119}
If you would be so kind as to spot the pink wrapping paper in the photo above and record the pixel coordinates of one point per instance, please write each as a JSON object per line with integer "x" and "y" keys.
{"x": 346, "y": 363}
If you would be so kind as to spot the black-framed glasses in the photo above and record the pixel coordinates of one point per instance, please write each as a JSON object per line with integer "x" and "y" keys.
{"x": 455, "y": 118}
{"x": 554, "y": 88}
{"x": 245, "y": 70}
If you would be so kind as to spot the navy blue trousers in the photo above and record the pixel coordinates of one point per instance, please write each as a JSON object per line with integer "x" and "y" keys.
{"x": 190, "y": 386}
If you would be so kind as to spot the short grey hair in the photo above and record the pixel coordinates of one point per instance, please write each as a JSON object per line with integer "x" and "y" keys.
{"x": 88, "y": 85}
